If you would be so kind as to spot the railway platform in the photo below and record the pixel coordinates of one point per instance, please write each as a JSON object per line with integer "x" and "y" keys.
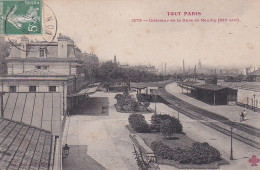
{"x": 230, "y": 112}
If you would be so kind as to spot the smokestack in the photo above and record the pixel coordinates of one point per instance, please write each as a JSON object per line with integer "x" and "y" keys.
{"x": 195, "y": 73}
{"x": 183, "y": 66}
{"x": 165, "y": 68}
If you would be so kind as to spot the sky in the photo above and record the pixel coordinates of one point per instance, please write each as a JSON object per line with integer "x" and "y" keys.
{"x": 105, "y": 28}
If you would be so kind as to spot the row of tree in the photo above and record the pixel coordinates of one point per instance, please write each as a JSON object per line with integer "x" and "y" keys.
{"x": 110, "y": 72}
{"x": 4, "y": 52}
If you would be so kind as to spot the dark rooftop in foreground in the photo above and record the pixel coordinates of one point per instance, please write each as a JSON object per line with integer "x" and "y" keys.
{"x": 23, "y": 146}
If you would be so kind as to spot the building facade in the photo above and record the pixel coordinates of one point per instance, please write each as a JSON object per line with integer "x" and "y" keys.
{"x": 38, "y": 67}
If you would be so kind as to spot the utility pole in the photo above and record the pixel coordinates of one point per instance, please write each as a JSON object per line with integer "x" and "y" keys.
{"x": 231, "y": 142}
{"x": 2, "y": 103}
{"x": 195, "y": 73}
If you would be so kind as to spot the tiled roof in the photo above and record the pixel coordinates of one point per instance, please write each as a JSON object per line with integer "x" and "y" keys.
{"x": 23, "y": 146}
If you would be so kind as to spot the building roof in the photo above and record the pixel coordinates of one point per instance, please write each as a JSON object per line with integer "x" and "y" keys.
{"x": 23, "y": 146}
{"x": 48, "y": 59}
{"x": 255, "y": 73}
{"x": 205, "y": 86}
{"x": 41, "y": 110}
{"x": 88, "y": 90}
{"x": 211, "y": 87}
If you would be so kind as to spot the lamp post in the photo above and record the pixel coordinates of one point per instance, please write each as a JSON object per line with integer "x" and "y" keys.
{"x": 65, "y": 151}
{"x": 155, "y": 98}
{"x": 231, "y": 142}
{"x": 247, "y": 102}
{"x": 254, "y": 102}
{"x": 177, "y": 105}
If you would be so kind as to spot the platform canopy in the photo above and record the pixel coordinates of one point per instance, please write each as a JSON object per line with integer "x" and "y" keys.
{"x": 91, "y": 89}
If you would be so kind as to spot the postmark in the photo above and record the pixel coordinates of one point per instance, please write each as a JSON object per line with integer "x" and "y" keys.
{"x": 33, "y": 20}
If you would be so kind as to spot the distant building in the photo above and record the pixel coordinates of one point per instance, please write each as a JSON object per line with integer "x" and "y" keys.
{"x": 254, "y": 76}
{"x": 89, "y": 59}
{"x": 149, "y": 68}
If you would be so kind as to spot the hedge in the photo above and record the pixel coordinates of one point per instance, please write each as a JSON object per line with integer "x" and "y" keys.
{"x": 138, "y": 123}
{"x": 199, "y": 153}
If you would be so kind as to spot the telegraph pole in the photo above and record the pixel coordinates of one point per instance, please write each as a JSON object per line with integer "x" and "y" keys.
{"x": 231, "y": 142}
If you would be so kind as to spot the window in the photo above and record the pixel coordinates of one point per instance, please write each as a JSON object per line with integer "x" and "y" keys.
{"x": 41, "y": 53}
{"x": 43, "y": 67}
{"x": 52, "y": 88}
{"x": 32, "y": 88}
{"x": 12, "y": 89}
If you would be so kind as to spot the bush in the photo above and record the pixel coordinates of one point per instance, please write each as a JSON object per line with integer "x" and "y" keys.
{"x": 207, "y": 153}
{"x": 119, "y": 96}
{"x": 158, "y": 118}
{"x": 138, "y": 123}
{"x": 141, "y": 97}
{"x": 167, "y": 128}
{"x": 162, "y": 150}
{"x": 199, "y": 153}
{"x": 126, "y": 103}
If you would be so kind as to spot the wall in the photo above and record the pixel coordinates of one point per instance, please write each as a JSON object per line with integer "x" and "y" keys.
{"x": 60, "y": 68}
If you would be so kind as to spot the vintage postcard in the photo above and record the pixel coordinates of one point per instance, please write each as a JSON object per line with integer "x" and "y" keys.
{"x": 129, "y": 84}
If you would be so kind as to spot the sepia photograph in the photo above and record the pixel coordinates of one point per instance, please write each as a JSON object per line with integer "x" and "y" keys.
{"x": 129, "y": 84}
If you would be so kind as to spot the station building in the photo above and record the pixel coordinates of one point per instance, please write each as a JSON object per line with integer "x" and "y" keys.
{"x": 43, "y": 82}
{"x": 38, "y": 67}
{"x": 210, "y": 93}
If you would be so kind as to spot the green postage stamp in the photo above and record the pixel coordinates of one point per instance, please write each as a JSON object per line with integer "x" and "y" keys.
{"x": 20, "y": 17}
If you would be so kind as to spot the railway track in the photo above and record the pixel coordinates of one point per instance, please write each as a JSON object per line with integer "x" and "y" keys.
{"x": 244, "y": 133}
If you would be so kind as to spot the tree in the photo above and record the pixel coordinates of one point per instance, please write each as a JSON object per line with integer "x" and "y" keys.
{"x": 4, "y": 52}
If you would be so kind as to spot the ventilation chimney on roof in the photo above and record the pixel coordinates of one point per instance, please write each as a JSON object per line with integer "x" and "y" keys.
{"x": 24, "y": 42}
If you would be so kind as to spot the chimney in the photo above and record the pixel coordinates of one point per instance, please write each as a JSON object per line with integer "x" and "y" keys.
{"x": 24, "y": 42}
{"x": 63, "y": 43}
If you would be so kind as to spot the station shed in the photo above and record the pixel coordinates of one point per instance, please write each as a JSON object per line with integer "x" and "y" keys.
{"x": 147, "y": 87}
{"x": 211, "y": 93}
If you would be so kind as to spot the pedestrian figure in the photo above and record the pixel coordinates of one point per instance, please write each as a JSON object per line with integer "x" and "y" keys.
{"x": 241, "y": 116}
{"x": 244, "y": 114}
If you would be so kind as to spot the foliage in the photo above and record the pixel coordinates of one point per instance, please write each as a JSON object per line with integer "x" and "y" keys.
{"x": 199, "y": 153}
{"x": 126, "y": 103}
{"x": 206, "y": 153}
{"x": 4, "y": 52}
{"x": 157, "y": 119}
{"x": 167, "y": 128}
{"x": 141, "y": 97}
{"x": 111, "y": 72}
{"x": 118, "y": 96}
{"x": 138, "y": 123}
